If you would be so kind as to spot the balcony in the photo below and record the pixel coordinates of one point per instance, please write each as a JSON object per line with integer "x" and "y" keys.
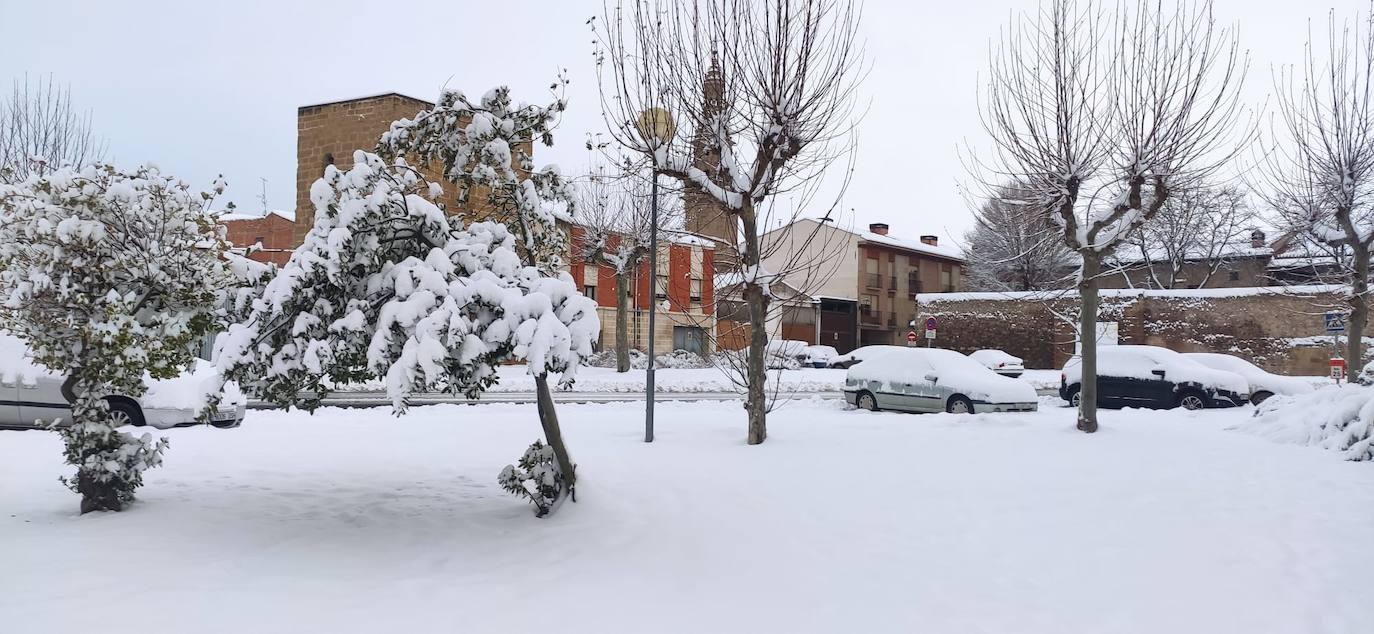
{"x": 874, "y": 280}
{"x": 876, "y": 318}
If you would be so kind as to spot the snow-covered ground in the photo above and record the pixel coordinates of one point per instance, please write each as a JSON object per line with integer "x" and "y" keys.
{"x": 844, "y": 521}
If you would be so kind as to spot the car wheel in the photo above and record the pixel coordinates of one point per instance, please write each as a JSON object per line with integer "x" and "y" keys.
{"x": 867, "y": 401}
{"x": 1075, "y": 398}
{"x": 959, "y": 404}
{"x": 1259, "y": 397}
{"x": 125, "y": 413}
{"x": 1192, "y": 400}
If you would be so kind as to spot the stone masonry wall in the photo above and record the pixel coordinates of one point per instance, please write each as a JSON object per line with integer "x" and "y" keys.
{"x": 1279, "y": 329}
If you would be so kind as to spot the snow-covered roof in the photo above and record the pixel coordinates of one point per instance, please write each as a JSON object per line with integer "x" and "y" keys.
{"x": 290, "y": 216}
{"x": 1131, "y": 254}
{"x": 1113, "y": 293}
{"x": 909, "y": 245}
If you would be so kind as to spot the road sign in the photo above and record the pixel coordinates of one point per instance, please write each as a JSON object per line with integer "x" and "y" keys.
{"x": 1335, "y": 321}
{"x": 911, "y": 335}
{"x": 930, "y": 334}
{"x": 930, "y": 326}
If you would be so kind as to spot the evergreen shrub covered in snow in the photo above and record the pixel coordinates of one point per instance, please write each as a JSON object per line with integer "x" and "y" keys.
{"x": 1339, "y": 418}
{"x": 105, "y": 275}
{"x": 387, "y": 286}
{"x": 535, "y": 476}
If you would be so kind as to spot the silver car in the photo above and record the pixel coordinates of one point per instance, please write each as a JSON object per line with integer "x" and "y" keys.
{"x": 31, "y": 396}
{"x": 934, "y": 380}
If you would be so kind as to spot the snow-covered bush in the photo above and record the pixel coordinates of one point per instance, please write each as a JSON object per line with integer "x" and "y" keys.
{"x": 1339, "y": 418}
{"x": 535, "y": 476}
{"x": 387, "y": 286}
{"x": 106, "y": 275}
{"x": 682, "y": 359}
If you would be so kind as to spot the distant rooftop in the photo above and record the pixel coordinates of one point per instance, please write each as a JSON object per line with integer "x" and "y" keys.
{"x": 365, "y": 98}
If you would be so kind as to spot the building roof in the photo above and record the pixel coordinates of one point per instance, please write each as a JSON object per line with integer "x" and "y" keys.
{"x": 365, "y": 98}
{"x": 916, "y": 246}
{"x": 289, "y": 216}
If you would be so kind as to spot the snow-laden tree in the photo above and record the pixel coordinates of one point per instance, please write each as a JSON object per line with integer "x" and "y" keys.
{"x": 1320, "y": 170}
{"x": 41, "y": 129}
{"x": 485, "y": 149}
{"x": 613, "y": 210}
{"x": 1204, "y": 228}
{"x": 386, "y": 286}
{"x": 1015, "y": 246}
{"x": 744, "y": 103}
{"x": 1104, "y": 111}
{"x": 108, "y": 275}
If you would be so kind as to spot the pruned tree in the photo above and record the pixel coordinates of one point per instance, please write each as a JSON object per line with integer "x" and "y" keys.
{"x": 106, "y": 275}
{"x": 1013, "y": 246}
{"x": 40, "y": 127}
{"x": 1104, "y": 112}
{"x": 485, "y": 149}
{"x": 1198, "y": 231}
{"x": 387, "y": 286}
{"x": 743, "y": 102}
{"x": 1319, "y": 174}
{"x": 613, "y": 209}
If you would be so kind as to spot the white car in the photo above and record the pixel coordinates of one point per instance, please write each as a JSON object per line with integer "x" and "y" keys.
{"x": 820, "y": 356}
{"x": 933, "y": 380}
{"x": 785, "y": 354}
{"x": 1262, "y": 384}
{"x": 857, "y": 355}
{"x": 30, "y": 393}
{"x": 999, "y": 362}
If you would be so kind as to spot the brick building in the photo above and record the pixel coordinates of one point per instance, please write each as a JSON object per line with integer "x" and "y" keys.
{"x": 865, "y": 282}
{"x": 274, "y": 234}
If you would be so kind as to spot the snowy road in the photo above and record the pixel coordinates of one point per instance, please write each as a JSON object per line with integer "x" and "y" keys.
{"x": 352, "y": 520}
{"x": 379, "y": 398}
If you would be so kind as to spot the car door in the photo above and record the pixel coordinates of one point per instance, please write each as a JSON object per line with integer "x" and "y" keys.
{"x": 1112, "y": 384}
{"x": 40, "y": 399}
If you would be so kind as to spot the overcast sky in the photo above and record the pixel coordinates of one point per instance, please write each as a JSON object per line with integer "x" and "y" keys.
{"x": 208, "y": 88}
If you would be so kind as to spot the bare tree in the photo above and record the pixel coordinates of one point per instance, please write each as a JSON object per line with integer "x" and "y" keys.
{"x": 1196, "y": 233}
{"x": 1104, "y": 112}
{"x": 780, "y": 78}
{"x": 40, "y": 126}
{"x": 612, "y": 207}
{"x": 1015, "y": 247}
{"x": 1320, "y": 171}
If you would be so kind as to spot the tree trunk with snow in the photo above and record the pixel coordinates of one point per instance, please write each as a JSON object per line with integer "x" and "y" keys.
{"x": 1359, "y": 307}
{"x": 553, "y": 434}
{"x": 1087, "y": 337}
{"x": 622, "y": 321}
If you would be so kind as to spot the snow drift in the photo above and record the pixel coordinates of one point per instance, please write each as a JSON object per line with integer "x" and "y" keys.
{"x": 1337, "y": 418}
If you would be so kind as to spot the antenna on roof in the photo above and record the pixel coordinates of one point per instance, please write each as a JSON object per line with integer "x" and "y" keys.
{"x": 263, "y": 196}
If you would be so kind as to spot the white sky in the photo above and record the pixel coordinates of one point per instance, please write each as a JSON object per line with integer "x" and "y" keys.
{"x": 203, "y": 89}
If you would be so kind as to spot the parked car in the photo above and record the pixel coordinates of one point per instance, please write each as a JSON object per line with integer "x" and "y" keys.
{"x": 29, "y": 393}
{"x": 820, "y": 356}
{"x": 857, "y": 355}
{"x": 933, "y": 380}
{"x": 1154, "y": 377}
{"x": 785, "y": 354}
{"x": 1262, "y": 384}
{"x": 999, "y": 362}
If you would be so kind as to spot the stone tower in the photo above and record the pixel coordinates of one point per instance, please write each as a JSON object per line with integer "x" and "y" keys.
{"x": 704, "y": 214}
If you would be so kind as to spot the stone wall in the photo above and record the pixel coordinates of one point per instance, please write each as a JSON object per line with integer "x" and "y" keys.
{"x": 1280, "y": 329}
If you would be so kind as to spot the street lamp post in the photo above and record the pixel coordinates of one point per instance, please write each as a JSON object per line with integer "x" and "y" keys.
{"x": 657, "y": 129}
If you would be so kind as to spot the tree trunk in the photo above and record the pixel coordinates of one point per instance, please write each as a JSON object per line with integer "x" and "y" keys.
{"x": 756, "y": 369}
{"x": 1087, "y": 335}
{"x": 95, "y": 495}
{"x": 1359, "y": 310}
{"x": 548, "y": 419}
{"x": 622, "y": 322}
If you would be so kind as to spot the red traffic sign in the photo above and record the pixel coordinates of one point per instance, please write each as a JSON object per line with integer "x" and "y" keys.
{"x": 911, "y": 335}
{"x": 930, "y": 323}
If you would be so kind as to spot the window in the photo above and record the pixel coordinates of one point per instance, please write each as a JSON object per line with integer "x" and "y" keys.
{"x": 913, "y": 281}
{"x": 662, "y": 290}
{"x": 871, "y": 270}
{"x": 946, "y": 278}
{"x": 696, "y": 290}
{"x": 590, "y": 291}
{"x": 259, "y": 239}
{"x": 866, "y": 305}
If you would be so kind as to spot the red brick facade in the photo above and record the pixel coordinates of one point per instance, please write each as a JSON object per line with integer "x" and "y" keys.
{"x": 275, "y": 232}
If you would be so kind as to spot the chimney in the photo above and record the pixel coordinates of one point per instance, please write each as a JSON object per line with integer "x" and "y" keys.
{"x": 933, "y": 241}
{"x": 879, "y": 228}
{"x": 1257, "y": 239}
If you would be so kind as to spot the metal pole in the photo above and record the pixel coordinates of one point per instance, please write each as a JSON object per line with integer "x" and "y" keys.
{"x": 653, "y": 302}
